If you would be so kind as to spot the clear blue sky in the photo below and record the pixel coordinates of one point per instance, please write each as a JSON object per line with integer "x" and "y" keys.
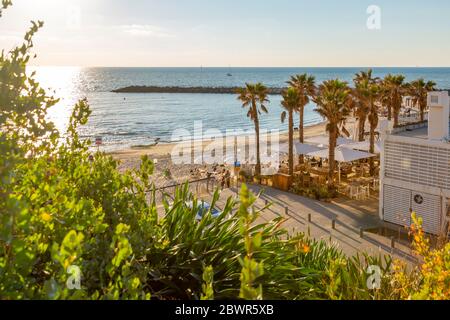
{"x": 233, "y": 32}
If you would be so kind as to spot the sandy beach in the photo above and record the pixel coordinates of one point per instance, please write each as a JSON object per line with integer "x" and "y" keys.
{"x": 167, "y": 173}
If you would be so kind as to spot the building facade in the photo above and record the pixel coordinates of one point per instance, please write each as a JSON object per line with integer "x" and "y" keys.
{"x": 415, "y": 169}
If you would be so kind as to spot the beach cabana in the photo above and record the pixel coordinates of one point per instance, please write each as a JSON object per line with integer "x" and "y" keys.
{"x": 342, "y": 155}
{"x": 363, "y": 146}
{"x": 324, "y": 141}
{"x": 300, "y": 148}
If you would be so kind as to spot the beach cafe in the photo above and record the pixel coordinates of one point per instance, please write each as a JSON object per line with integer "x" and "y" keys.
{"x": 352, "y": 165}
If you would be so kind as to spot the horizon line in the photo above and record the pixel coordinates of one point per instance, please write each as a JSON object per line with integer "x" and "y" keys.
{"x": 239, "y": 67}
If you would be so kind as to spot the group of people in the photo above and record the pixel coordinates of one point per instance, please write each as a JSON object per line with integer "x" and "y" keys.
{"x": 222, "y": 176}
{"x": 225, "y": 179}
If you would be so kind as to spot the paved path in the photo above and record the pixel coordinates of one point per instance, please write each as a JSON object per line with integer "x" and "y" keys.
{"x": 349, "y": 219}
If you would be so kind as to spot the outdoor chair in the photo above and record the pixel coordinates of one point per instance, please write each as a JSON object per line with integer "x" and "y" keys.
{"x": 376, "y": 184}
{"x": 364, "y": 193}
{"x": 353, "y": 192}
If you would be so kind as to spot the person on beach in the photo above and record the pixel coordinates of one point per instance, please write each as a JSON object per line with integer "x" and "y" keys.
{"x": 228, "y": 178}
{"x": 222, "y": 179}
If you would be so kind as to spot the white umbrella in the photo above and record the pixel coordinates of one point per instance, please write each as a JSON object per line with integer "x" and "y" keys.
{"x": 342, "y": 155}
{"x": 364, "y": 146}
{"x": 300, "y": 148}
{"x": 324, "y": 140}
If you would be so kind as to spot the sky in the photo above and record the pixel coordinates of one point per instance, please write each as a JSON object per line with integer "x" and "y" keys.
{"x": 237, "y": 33}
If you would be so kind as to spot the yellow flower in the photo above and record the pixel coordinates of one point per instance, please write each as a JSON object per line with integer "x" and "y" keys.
{"x": 46, "y": 217}
{"x": 306, "y": 248}
{"x": 303, "y": 247}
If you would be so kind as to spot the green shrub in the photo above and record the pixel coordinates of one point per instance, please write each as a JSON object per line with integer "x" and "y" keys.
{"x": 244, "y": 176}
{"x": 314, "y": 192}
{"x": 167, "y": 174}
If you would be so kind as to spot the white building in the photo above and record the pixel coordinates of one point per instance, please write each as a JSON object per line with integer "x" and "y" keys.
{"x": 408, "y": 102}
{"x": 415, "y": 169}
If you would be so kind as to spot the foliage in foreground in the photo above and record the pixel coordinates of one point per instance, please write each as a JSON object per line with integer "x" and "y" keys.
{"x": 63, "y": 212}
{"x": 431, "y": 279}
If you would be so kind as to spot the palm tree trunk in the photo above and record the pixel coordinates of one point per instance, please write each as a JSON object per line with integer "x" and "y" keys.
{"x": 422, "y": 112}
{"x": 331, "y": 157}
{"x": 301, "y": 131}
{"x": 362, "y": 128}
{"x": 396, "y": 115}
{"x": 372, "y": 149}
{"x": 291, "y": 143}
{"x": 258, "y": 155}
{"x": 389, "y": 112}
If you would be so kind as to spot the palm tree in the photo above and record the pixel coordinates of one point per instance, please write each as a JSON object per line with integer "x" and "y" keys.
{"x": 365, "y": 75}
{"x": 254, "y": 97}
{"x": 394, "y": 89}
{"x": 362, "y": 109}
{"x": 370, "y": 91}
{"x": 332, "y": 104}
{"x": 290, "y": 103}
{"x": 306, "y": 88}
{"x": 418, "y": 90}
{"x": 384, "y": 99}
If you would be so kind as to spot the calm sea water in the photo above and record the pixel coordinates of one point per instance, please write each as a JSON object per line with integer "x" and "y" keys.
{"x": 125, "y": 120}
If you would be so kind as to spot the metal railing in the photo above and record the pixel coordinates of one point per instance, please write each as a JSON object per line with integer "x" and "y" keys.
{"x": 197, "y": 187}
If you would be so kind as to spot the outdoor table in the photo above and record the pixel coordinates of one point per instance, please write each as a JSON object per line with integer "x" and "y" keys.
{"x": 360, "y": 189}
{"x": 319, "y": 171}
{"x": 365, "y": 181}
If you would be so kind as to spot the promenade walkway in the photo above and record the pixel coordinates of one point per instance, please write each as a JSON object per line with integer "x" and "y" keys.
{"x": 348, "y": 219}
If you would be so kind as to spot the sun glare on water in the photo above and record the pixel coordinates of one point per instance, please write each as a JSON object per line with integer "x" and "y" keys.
{"x": 64, "y": 84}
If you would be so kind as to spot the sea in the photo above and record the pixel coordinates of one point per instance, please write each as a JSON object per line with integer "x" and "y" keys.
{"x": 130, "y": 120}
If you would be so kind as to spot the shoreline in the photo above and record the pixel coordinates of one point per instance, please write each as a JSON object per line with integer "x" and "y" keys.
{"x": 162, "y": 147}
{"x": 167, "y": 173}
